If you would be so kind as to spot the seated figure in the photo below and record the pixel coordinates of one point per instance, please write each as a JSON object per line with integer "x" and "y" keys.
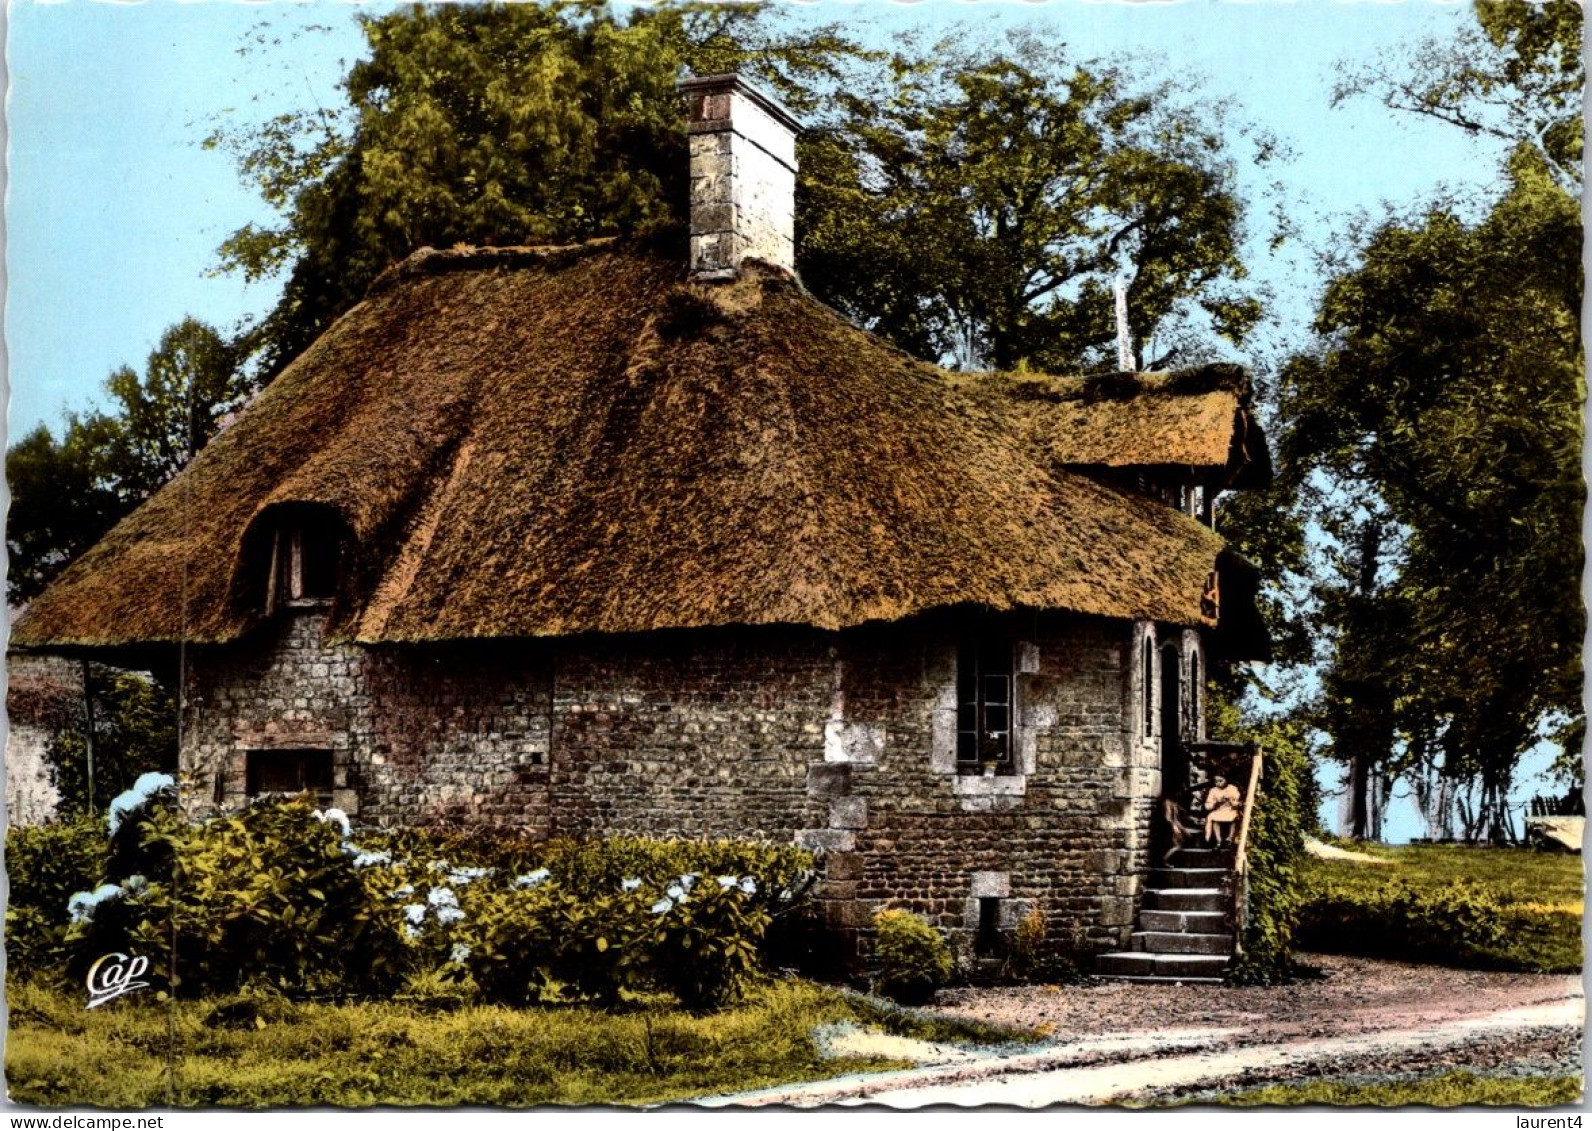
{"x": 1222, "y": 803}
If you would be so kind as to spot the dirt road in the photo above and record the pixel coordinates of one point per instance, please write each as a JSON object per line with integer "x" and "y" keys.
{"x": 1121, "y": 1042}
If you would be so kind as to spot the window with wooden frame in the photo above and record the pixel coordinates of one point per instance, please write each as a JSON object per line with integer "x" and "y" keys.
{"x": 305, "y": 557}
{"x": 985, "y": 705}
{"x": 289, "y": 771}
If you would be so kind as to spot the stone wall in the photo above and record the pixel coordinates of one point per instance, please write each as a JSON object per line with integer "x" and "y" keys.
{"x": 843, "y": 742}
{"x": 44, "y": 698}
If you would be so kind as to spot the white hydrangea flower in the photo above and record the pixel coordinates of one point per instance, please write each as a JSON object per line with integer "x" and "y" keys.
{"x": 531, "y": 879}
{"x": 728, "y": 882}
{"x": 371, "y": 859}
{"x": 442, "y": 897}
{"x": 336, "y": 818}
{"x": 629, "y": 884}
{"x": 459, "y": 952}
{"x": 415, "y": 913}
{"x": 663, "y": 906}
{"x": 131, "y": 800}
{"x": 81, "y": 906}
{"x": 448, "y": 916}
{"x": 748, "y": 885}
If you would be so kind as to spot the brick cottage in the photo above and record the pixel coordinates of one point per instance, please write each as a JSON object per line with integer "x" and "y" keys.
{"x": 599, "y": 539}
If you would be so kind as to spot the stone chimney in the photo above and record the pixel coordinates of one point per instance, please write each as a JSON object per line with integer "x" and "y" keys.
{"x": 743, "y": 176}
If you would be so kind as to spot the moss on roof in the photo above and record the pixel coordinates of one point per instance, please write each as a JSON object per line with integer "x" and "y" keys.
{"x": 544, "y": 442}
{"x": 1198, "y": 418}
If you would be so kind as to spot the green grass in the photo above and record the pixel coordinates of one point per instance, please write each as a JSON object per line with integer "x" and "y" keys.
{"x": 1540, "y": 894}
{"x": 1450, "y": 1089}
{"x": 395, "y": 1053}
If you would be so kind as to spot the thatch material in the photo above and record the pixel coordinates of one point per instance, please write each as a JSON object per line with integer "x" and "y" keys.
{"x": 545, "y": 443}
{"x": 1193, "y": 418}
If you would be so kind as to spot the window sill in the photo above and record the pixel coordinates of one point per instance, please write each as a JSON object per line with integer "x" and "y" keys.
{"x": 308, "y": 603}
{"x": 1001, "y": 785}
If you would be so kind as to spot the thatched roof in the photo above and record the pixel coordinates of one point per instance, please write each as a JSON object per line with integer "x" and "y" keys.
{"x": 1198, "y": 419}
{"x": 545, "y": 442}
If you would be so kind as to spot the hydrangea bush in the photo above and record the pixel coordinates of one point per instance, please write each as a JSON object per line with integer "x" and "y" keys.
{"x": 297, "y": 900}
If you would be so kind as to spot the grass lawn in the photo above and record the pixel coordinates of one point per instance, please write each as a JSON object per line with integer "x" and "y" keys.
{"x": 281, "y": 1054}
{"x": 1540, "y": 893}
{"x": 1450, "y": 1089}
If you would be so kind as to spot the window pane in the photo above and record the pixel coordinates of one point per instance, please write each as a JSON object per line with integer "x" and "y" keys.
{"x": 997, "y": 689}
{"x": 966, "y": 746}
{"x": 319, "y": 565}
{"x": 995, "y": 718}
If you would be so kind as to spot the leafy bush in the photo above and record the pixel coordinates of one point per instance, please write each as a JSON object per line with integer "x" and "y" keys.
{"x": 283, "y": 899}
{"x": 269, "y": 897}
{"x": 1275, "y": 849}
{"x": 911, "y": 958}
{"x": 46, "y": 865}
{"x": 1457, "y": 923}
{"x": 705, "y": 946}
{"x": 694, "y": 938}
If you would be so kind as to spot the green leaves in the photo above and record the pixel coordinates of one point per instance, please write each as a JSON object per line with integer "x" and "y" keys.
{"x": 66, "y": 494}
{"x": 978, "y": 207}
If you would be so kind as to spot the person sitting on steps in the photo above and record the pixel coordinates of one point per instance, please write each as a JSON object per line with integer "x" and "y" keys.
{"x": 1221, "y": 810}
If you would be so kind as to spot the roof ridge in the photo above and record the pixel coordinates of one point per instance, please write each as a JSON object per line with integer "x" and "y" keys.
{"x": 470, "y": 257}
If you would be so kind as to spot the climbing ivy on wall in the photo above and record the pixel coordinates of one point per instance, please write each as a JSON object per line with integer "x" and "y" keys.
{"x": 1276, "y": 850}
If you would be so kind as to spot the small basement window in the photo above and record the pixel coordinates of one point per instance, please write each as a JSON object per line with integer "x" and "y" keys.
{"x": 987, "y": 939}
{"x": 984, "y": 706}
{"x": 290, "y": 771}
{"x": 307, "y": 561}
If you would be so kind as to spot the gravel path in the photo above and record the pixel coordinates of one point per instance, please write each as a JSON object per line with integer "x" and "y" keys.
{"x": 1353, "y": 995}
{"x": 1135, "y": 1043}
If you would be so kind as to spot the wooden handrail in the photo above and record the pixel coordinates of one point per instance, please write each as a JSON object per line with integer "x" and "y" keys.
{"x": 1240, "y": 852}
{"x": 1240, "y": 859}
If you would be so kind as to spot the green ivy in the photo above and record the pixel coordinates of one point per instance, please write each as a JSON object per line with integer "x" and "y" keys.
{"x": 1275, "y": 850}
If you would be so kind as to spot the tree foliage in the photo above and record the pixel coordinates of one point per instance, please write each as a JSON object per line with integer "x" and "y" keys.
{"x": 135, "y": 732}
{"x": 490, "y": 124}
{"x": 978, "y": 206}
{"x": 66, "y": 493}
{"x": 1448, "y": 394}
{"x": 1516, "y": 74}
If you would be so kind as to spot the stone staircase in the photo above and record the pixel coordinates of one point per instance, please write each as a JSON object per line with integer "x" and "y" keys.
{"x": 1184, "y": 931}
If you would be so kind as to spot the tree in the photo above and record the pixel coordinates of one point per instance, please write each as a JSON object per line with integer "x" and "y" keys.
{"x": 978, "y": 207}
{"x": 135, "y": 731}
{"x": 490, "y": 125}
{"x": 66, "y": 494}
{"x": 1449, "y": 390}
{"x": 1515, "y": 75}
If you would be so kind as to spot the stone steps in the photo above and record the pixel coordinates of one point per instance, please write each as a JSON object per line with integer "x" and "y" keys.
{"x": 1183, "y": 934}
{"x": 1177, "y": 967}
{"x": 1194, "y": 922}
{"x": 1185, "y": 899}
{"x": 1182, "y": 942}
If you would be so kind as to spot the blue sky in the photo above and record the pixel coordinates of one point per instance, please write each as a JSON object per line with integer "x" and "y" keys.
{"x": 114, "y": 210}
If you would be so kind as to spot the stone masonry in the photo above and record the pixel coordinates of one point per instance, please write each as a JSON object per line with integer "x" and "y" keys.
{"x": 743, "y": 177}
{"x": 843, "y": 742}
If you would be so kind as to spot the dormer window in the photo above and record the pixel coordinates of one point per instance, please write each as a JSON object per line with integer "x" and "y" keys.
{"x": 306, "y": 558}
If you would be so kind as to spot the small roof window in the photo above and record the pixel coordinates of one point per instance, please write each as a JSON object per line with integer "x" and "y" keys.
{"x": 306, "y": 557}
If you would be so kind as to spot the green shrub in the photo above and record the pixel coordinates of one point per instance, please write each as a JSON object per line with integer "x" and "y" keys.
{"x": 267, "y": 897}
{"x": 694, "y": 938}
{"x": 1458, "y": 923}
{"x": 46, "y": 865}
{"x": 704, "y": 949}
{"x": 1275, "y": 849}
{"x": 911, "y": 958}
